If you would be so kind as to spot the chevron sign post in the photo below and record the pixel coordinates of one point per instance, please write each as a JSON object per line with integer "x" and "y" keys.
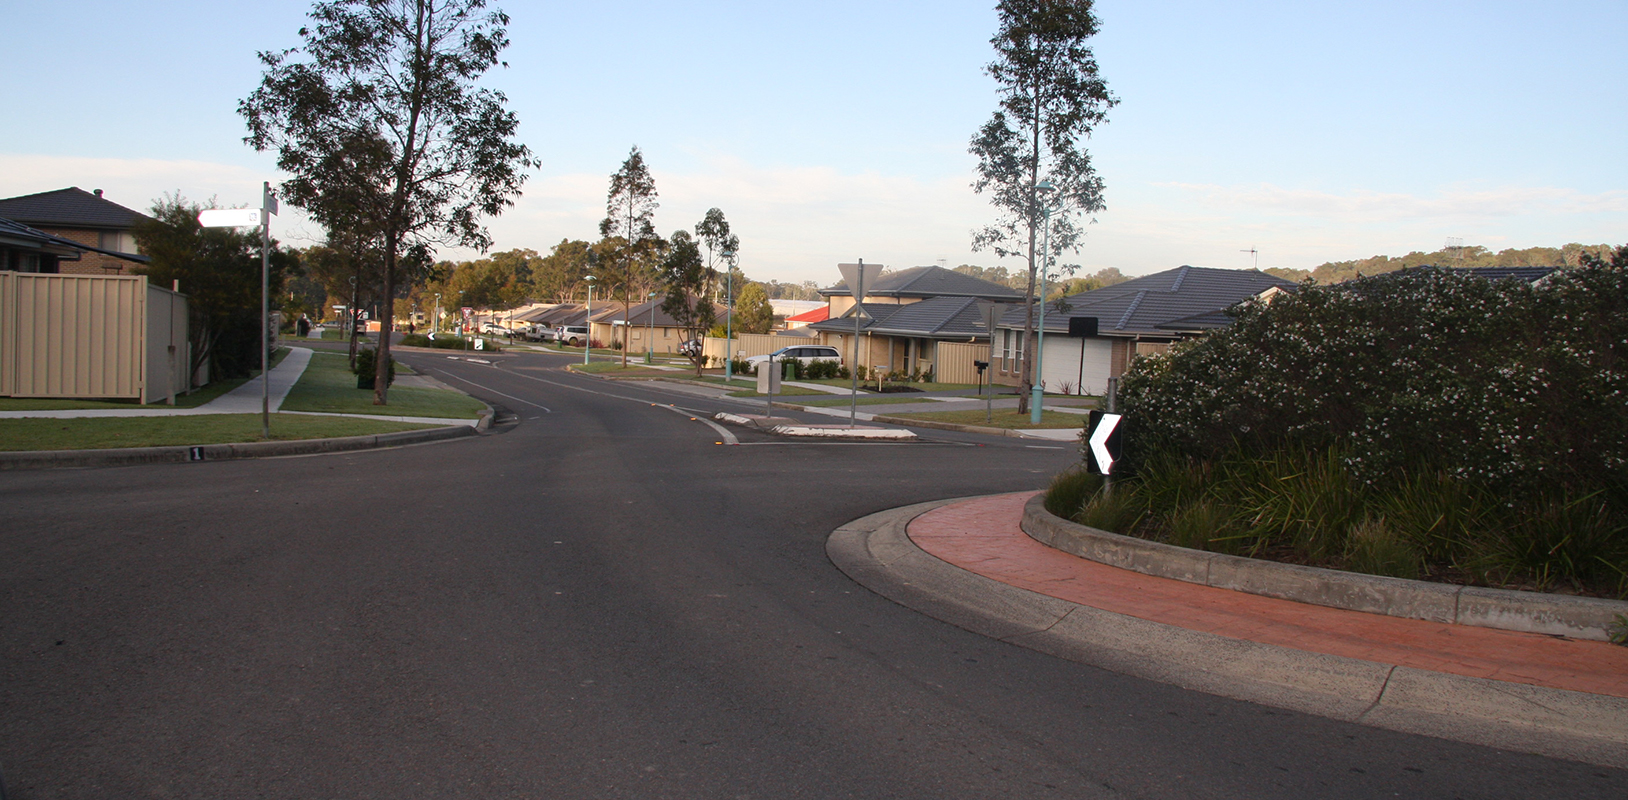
{"x": 1103, "y": 444}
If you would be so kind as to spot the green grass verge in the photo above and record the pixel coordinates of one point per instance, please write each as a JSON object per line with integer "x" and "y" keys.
{"x": 785, "y": 391}
{"x": 868, "y": 400}
{"x": 1002, "y": 418}
{"x": 108, "y": 432}
{"x": 616, "y": 368}
{"x": 197, "y": 398}
{"x": 329, "y": 385}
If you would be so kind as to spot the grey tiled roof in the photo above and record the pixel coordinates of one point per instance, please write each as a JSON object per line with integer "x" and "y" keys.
{"x": 877, "y": 311}
{"x": 931, "y": 281}
{"x": 1149, "y": 304}
{"x": 936, "y": 318}
{"x": 70, "y": 208}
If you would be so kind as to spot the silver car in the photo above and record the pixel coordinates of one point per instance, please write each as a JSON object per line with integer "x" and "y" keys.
{"x": 806, "y": 353}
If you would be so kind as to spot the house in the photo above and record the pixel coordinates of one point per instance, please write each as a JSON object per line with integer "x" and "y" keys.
{"x": 98, "y": 226}
{"x": 907, "y": 315}
{"x": 1120, "y": 322}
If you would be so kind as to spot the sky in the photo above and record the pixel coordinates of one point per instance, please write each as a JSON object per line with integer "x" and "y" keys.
{"x": 829, "y": 132}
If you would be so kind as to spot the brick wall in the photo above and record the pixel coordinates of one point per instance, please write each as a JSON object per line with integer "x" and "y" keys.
{"x": 89, "y": 263}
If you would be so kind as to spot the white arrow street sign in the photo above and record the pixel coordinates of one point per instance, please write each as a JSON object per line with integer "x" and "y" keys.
{"x": 1099, "y": 442}
{"x": 230, "y": 218}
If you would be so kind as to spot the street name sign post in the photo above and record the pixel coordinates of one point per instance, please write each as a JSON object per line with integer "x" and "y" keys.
{"x": 244, "y": 218}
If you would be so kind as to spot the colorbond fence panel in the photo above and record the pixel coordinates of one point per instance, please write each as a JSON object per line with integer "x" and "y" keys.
{"x": 72, "y": 335}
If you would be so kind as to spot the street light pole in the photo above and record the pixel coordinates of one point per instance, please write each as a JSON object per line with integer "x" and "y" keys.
{"x": 588, "y": 322}
{"x": 650, "y": 330}
{"x": 729, "y": 318}
{"x": 1037, "y": 390}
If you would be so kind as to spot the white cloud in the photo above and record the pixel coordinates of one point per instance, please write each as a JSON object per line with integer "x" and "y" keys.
{"x": 1370, "y": 206}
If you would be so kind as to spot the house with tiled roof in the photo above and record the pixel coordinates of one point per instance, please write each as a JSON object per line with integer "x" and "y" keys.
{"x": 100, "y": 227}
{"x": 1092, "y": 336}
{"x": 907, "y": 315}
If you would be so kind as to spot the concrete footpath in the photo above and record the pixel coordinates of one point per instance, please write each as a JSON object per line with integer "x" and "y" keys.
{"x": 969, "y": 562}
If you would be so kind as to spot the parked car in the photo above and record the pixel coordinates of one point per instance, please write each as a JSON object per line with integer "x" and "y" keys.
{"x": 539, "y": 333}
{"x": 493, "y": 329}
{"x": 806, "y": 353}
{"x": 573, "y": 335}
{"x": 690, "y": 348}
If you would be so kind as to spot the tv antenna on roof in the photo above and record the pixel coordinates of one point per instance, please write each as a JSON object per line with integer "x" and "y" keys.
{"x": 1455, "y": 248}
{"x": 1255, "y": 254}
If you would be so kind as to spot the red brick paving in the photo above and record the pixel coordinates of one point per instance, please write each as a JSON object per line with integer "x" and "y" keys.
{"x": 984, "y": 536}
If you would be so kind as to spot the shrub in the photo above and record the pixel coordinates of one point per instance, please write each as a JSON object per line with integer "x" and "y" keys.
{"x": 824, "y": 369}
{"x": 1069, "y": 490}
{"x": 446, "y": 342}
{"x": 1422, "y": 422}
{"x": 739, "y": 366}
{"x": 1115, "y": 511}
{"x": 367, "y": 361}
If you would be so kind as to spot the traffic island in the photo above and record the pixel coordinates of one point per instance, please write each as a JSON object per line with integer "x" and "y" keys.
{"x": 785, "y": 426}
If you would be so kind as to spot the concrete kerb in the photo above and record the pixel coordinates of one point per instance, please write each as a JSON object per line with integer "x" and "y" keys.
{"x": 1576, "y": 617}
{"x": 129, "y": 456}
{"x": 876, "y": 552}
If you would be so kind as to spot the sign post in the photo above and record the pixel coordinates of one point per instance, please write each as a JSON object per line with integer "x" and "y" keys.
{"x": 857, "y": 276}
{"x": 243, "y": 218}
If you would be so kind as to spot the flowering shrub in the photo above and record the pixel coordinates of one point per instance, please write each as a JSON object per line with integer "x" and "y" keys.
{"x": 1509, "y": 386}
{"x": 1423, "y": 423}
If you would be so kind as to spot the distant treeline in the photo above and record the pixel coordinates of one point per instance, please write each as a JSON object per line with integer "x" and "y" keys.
{"x": 1471, "y": 256}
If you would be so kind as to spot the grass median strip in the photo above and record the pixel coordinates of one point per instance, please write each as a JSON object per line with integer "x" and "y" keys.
{"x": 866, "y": 400}
{"x": 328, "y": 385}
{"x": 107, "y": 432}
{"x": 1002, "y": 418}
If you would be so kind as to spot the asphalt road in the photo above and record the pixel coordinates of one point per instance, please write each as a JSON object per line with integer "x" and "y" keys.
{"x": 594, "y": 600}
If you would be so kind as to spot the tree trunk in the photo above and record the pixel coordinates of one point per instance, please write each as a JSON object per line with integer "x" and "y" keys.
{"x": 381, "y": 364}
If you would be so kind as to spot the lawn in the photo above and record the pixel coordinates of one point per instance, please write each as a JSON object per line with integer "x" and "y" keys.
{"x": 197, "y": 398}
{"x": 107, "y": 432}
{"x": 633, "y": 368}
{"x": 328, "y": 385}
{"x": 867, "y": 400}
{"x": 1003, "y": 418}
{"x": 785, "y": 391}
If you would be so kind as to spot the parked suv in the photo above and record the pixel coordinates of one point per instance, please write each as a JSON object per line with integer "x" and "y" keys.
{"x": 573, "y": 335}
{"x": 806, "y": 353}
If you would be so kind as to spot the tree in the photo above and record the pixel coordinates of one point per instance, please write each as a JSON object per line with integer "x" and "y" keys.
{"x": 753, "y": 314}
{"x": 219, "y": 271}
{"x": 689, "y": 280}
{"x": 378, "y": 119}
{"x": 630, "y": 210}
{"x": 1051, "y": 98}
{"x": 559, "y": 275}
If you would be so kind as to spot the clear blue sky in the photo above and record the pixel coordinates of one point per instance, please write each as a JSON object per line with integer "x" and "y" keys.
{"x": 838, "y": 130}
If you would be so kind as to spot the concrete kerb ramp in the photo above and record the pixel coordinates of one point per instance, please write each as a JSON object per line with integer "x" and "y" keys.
{"x": 877, "y": 552}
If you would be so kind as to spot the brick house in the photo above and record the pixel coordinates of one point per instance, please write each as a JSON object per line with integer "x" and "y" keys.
{"x": 100, "y": 226}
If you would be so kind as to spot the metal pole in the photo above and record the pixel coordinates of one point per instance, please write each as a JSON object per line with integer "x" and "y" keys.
{"x": 588, "y": 337}
{"x": 649, "y": 331}
{"x": 729, "y": 324}
{"x": 853, "y": 370}
{"x": 1038, "y": 392}
{"x": 265, "y": 311}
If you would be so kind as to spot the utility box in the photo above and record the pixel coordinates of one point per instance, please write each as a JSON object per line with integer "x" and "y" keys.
{"x": 768, "y": 378}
